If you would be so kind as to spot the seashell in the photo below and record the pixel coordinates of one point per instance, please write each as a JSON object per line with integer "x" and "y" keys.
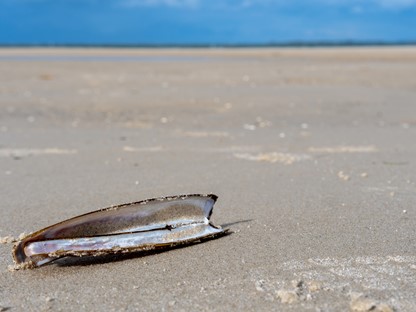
{"x": 143, "y": 225}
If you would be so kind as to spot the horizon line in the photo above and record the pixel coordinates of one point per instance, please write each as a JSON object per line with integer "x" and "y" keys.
{"x": 316, "y": 43}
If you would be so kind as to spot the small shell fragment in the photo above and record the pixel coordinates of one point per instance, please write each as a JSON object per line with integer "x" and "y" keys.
{"x": 143, "y": 225}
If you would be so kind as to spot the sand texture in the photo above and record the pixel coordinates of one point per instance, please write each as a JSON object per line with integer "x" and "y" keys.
{"x": 312, "y": 153}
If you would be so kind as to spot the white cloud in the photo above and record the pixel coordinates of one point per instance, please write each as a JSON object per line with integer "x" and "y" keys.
{"x": 353, "y": 4}
{"x": 168, "y": 3}
{"x": 384, "y": 4}
{"x": 396, "y": 4}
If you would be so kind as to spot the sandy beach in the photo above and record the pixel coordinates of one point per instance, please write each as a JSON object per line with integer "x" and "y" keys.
{"x": 311, "y": 151}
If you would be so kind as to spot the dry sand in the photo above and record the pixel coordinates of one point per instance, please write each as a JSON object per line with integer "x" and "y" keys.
{"x": 311, "y": 151}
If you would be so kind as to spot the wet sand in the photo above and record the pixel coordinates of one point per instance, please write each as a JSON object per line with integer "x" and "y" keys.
{"x": 311, "y": 152}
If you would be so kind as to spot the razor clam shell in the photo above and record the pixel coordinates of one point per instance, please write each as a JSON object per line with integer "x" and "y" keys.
{"x": 129, "y": 227}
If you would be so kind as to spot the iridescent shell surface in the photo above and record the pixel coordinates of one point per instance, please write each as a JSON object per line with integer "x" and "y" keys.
{"x": 143, "y": 225}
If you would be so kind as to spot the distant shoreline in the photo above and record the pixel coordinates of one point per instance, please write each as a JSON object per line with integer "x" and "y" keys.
{"x": 210, "y": 54}
{"x": 293, "y": 44}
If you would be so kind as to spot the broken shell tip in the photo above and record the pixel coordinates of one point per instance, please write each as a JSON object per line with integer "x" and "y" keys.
{"x": 213, "y": 196}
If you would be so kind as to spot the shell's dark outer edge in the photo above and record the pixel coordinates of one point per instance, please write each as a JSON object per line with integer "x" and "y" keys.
{"x": 19, "y": 246}
{"x": 212, "y": 196}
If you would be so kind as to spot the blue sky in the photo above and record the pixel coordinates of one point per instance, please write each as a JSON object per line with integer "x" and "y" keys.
{"x": 204, "y": 21}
